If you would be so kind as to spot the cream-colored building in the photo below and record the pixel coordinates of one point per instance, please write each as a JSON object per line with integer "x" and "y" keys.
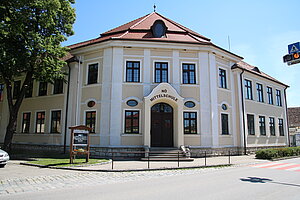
{"x": 155, "y": 83}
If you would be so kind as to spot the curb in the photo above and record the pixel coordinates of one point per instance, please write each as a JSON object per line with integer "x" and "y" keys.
{"x": 125, "y": 170}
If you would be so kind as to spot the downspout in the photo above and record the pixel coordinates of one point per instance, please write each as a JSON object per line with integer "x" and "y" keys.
{"x": 67, "y": 109}
{"x": 287, "y": 119}
{"x": 243, "y": 111}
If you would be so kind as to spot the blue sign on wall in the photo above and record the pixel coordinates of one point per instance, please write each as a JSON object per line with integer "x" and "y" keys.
{"x": 293, "y": 48}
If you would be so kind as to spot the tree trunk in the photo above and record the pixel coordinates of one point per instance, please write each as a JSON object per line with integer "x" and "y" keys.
{"x": 10, "y": 130}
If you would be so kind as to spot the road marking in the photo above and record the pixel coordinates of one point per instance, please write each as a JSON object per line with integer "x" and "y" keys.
{"x": 279, "y": 166}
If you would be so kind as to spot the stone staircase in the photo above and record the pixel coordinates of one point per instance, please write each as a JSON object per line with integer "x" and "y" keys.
{"x": 166, "y": 154}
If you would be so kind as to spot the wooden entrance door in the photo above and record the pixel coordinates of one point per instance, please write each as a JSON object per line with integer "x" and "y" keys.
{"x": 161, "y": 125}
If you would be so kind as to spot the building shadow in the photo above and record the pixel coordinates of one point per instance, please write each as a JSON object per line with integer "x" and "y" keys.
{"x": 266, "y": 180}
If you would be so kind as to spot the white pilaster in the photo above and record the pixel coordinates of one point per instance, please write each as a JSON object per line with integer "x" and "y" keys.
{"x": 147, "y": 72}
{"x": 205, "y": 128}
{"x": 176, "y": 71}
{"x": 116, "y": 97}
{"x": 240, "y": 111}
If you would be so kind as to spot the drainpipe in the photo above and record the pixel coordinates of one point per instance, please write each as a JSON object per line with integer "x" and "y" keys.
{"x": 67, "y": 109}
{"x": 287, "y": 119}
{"x": 243, "y": 111}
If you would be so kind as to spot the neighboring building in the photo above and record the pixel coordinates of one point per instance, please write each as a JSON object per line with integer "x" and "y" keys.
{"x": 294, "y": 125}
{"x": 155, "y": 83}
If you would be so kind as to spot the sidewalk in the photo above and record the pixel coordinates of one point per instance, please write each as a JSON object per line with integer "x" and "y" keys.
{"x": 159, "y": 165}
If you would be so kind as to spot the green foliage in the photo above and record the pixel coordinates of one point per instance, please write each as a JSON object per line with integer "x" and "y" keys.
{"x": 277, "y": 153}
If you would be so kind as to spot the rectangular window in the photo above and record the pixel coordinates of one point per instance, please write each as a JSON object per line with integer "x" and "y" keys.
{"x": 222, "y": 78}
{"x": 58, "y": 86}
{"x": 161, "y": 72}
{"x": 92, "y": 73}
{"x": 224, "y": 123}
{"x": 17, "y": 88}
{"x": 43, "y": 88}
{"x": 278, "y": 98}
{"x": 28, "y": 91}
{"x": 280, "y": 126}
{"x": 132, "y": 121}
{"x": 272, "y": 126}
{"x": 260, "y": 93}
{"x": 90, "y": 120}
{"x": 26, "y": 122}
{"x": 132, "y": 71}
{"x": 55, "y": 121}
{"x": 248, "y": 89}
{"x": 251, "y": 125}
{"x": 40, "y": 122}
{"x": 190, "y": 122}
{"x": 188, "y": 74}
{"x": 1, "y": 91}
{"x": 262, "y": 125}
{"x": 270, "y": 95}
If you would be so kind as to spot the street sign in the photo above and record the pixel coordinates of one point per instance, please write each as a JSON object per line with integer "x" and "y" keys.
{"x": 293, "y": 48}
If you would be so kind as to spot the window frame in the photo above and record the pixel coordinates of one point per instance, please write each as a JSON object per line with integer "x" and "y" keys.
{"x": 88, "y": 73}
{"x": 280, "y": 127}
{"x": 139, "y": 122}
{"x": 189, "y": 120}
{"x": 40, "y": 89}
{"x": 248, "y": 89}
{"x": 272, "y": 126}
{"x": 154, "y": 71}
{"x": 262, "y": 125}
{"x": 188, "y": 71}
{"x": 278, "y": 98}
{"x": 260, "y": 92}
{"x": 222, "y": 78}
{"x": 16, "y": 93}
{"x": 228, "y": 124}
{"x": 60, "y": 89}
{"x": 93, "y": 131}
{"x": 36, "y": 121}
{"x": 248, "y": 124}
{"x": 29, "y": 94}
{"x": 51, "y": 120}
{"x": 28, "y": 121}
{"x": 132, "y": 73}
{"x": 270, "y": 95}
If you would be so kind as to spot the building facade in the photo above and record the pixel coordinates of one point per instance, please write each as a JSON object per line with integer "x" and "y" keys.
{"x": 154, "y": 83}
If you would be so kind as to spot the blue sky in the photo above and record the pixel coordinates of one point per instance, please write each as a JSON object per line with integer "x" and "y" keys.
{"x": 259, "y": 30}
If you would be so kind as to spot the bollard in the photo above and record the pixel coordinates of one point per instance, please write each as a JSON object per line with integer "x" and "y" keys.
{"x": 205, "y": 158}
{"x": 148, "y": 160}
{"x": 178, "y": 158}
{"x": 229, "y": 156}
{"x": 112, "y": 161}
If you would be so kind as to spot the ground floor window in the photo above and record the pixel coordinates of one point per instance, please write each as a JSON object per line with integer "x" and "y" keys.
{"x": 190, "y": 122}
{"x": 40, "y": 122}
{"x": 90, "y": 120}
{"x": 272, "y": 126}
{"x": 262, "y": 125}
{"x": 250, "y": 122}
{"x": 132, "y": 121}
{"x": 55, "y": 121}
{"x": 280, "y": 125}
{"x": 224, "y": 123}
{"x": 26, "y": 122}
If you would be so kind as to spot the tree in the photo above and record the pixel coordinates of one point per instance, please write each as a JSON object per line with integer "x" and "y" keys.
{"x": 31, "y": 32}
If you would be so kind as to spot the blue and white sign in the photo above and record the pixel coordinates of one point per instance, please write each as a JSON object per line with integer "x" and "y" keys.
{"x": 293, "y": 48}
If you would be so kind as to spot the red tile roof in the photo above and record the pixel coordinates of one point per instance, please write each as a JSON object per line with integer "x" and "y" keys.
{"x": 255, "y": 70}
{"x": 294, "y": 116}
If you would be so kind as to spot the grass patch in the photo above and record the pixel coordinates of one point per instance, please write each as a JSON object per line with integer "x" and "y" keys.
{"x": 65, "y": 162}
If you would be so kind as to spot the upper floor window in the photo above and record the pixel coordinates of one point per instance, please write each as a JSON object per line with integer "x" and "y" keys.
{"x": 92, "y": 73}
{"x": 1, "y": 91}
{"x": 43, "y": 88}
{"x": 222, "y": 78}
{"x": 224, "y": 124}
{"x": 280, "y": 126}
{"x": 40, "y": 122}
{"x": 132, "y": 121}
{"x": 132, "y": 71}
{"x": 90, "y": 120}
{"x": 278, "y": 98}
{"x": 188, "y": 74}
{"x": 270, "y": 95}
{"x": 190, "y": 122}
{"x": 250, "y": 122}
{"x": 260, "y": 93}
{"x": 17, "y": 88}
{"x": 161, "y": 72}
{"x": 262, "y": 125}
{"x": 58, "y": 86}
{"x": 28, "y": 91}
{"x": 55, "y": 121}
{"x": 26, "y": 122}
{"x": 248, "y": 89}
{"x": 272, "y": 126}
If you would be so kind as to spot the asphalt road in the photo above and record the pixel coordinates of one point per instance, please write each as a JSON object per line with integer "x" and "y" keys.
{"x": 244, "y": 182}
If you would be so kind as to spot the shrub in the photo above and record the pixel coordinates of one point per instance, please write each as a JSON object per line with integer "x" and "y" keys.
{"x": 277, "y": 153}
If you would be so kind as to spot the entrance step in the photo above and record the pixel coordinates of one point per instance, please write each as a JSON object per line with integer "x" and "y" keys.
{"x": 166, "y": 154}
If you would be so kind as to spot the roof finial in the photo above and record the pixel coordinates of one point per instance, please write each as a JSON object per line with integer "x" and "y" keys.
{"x": 154, "y": 8}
